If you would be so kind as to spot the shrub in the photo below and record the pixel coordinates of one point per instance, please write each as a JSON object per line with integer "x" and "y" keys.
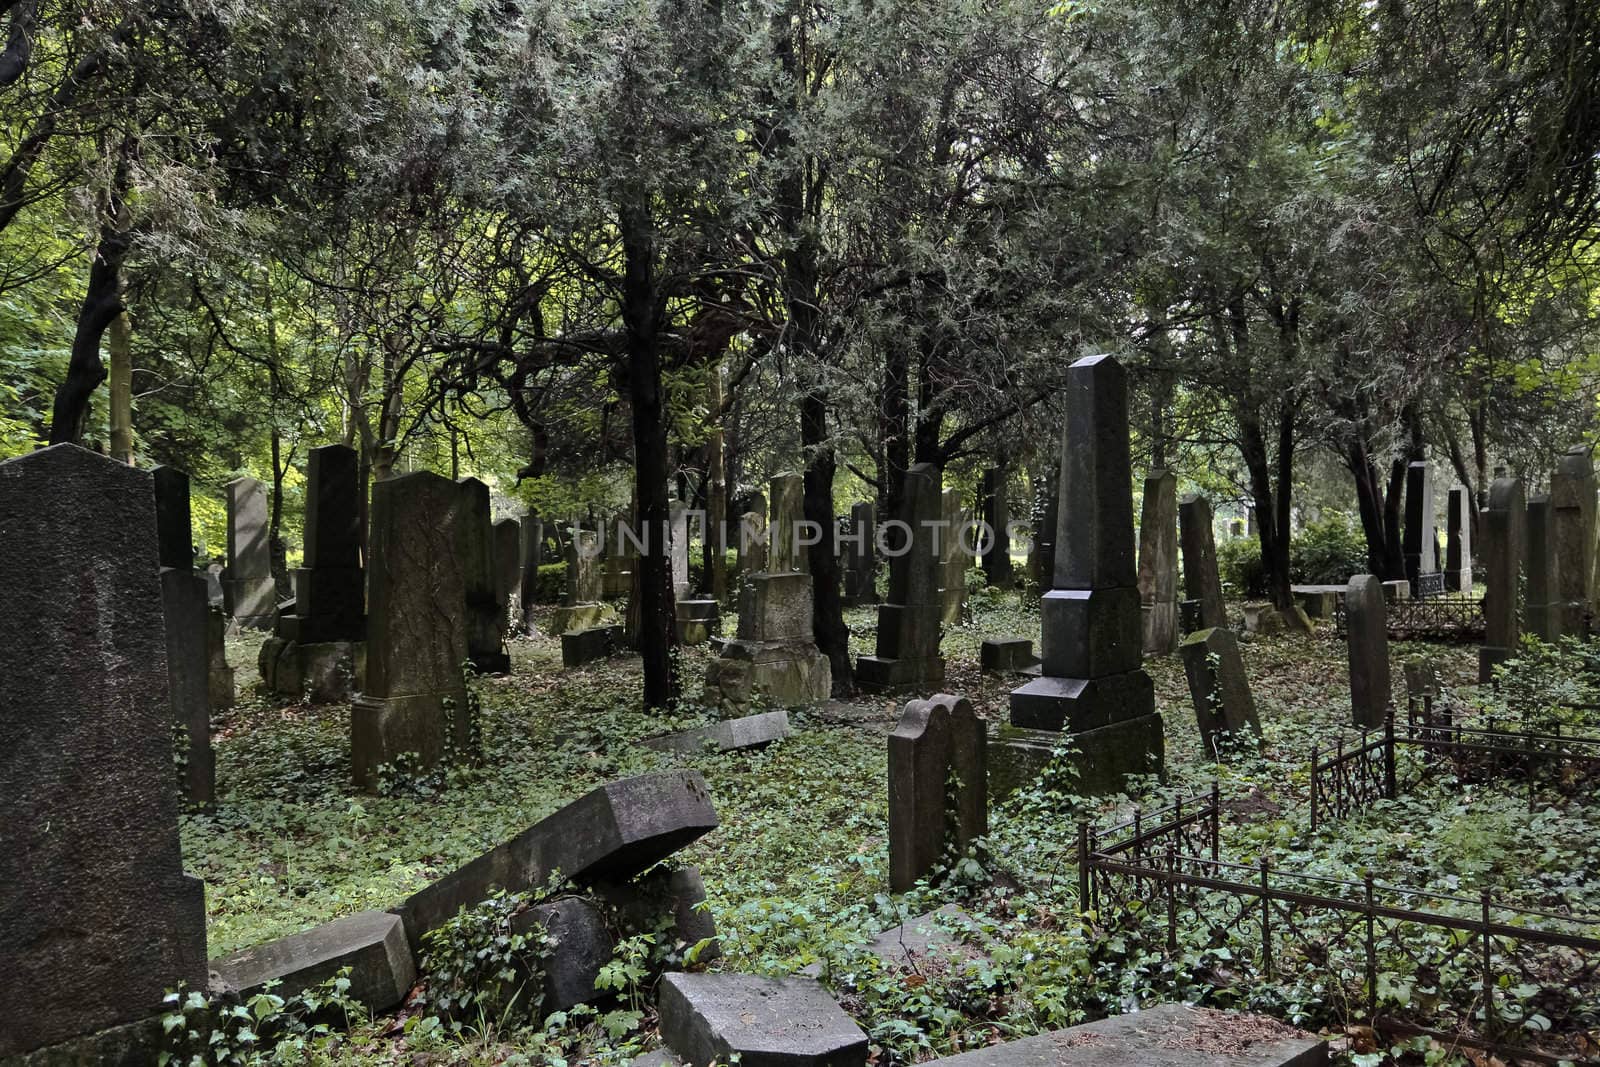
{"x": 1328, "y": 551}
{"x": 1239, "y": 563}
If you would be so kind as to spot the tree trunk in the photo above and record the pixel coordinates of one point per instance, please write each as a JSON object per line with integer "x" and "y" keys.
{"x": 832, "y": 635}
{"x": 121, "y": 414}
{"x": 716, "y": 543}
{"x": 102, "y": 303}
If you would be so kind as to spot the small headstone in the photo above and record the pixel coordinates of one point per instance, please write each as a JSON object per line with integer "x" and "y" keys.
{"x": 1158, "y": 562}
{"x": 1502, "y": 526}
{"x": 99, "y": 918}
{"x": 371, "y": 943}
{"x": 861, "y": 562}
{"x": 1543, "y": 609}
{"x": 1000, "y": 655}
{"x": 1396, "y": 590}
{"x": 486, "y": 609}
{"x": 765, "y": 1022}
{"x": 1202, "y": 581}
{"x": 1219, "y": 688}
{"x": 249, "y": 593}
{"x": 508, "y": 564}
{"x": 186, "y": 613}
{"x": 1367, "y": 626}
{"x": 997, "y": 514}
{"x": 582, "y": 609}
{"x": 219, "y": 674}
{"x": 938, "y": 787}
{"x": 1418, "y": 535}
{"x": 907, "y": 649}
{"x": 1262, "y": 618}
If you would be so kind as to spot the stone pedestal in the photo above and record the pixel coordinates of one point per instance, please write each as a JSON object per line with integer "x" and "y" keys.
{"x": 909, "y": 623}
{"x": 774, "y": 657}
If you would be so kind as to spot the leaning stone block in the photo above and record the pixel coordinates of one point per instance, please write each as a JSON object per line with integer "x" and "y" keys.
{"x": 751, "y": 731}
{"x": 1223, "y": 703}
{"x": 766, "y": 1022}
{"x": 371, "y": 943}
{"x": 998, "y": 655}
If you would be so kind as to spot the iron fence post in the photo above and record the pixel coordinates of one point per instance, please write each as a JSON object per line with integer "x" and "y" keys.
{"x": 1172, "y": 895}
{"x": 1314, "y": 781}
{"x": 1489, "y": 1019}
{"x": 1083, "y": 866}
{"x": 1372, "y": 953}
{"x": 1388, "y": 755}
{"x": 1266, "y": 915}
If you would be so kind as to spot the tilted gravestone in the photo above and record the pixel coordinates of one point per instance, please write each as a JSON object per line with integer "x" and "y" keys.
{"x": 907, "y": 650}
{"x": 1542, "y": 608}
{"x": 938, "y": 787}
{"x": 1202, "y": 582}
{"x": 486, "y": 612}
{"x": 316, "y": 651}
{"x": 186, "y": 613}
{"x": 1572, "y": 495}
{"x": 99, "y": 918}
{"x": 954, "y": 560}
{"x": 1158, "y": 562}
{"x": 1223, "y": 703}
{"x": 1501, "y": 528}
{"x": 861, "y": 564}
{"x": 413, "y": 706}
{"x": 1092, "y": 685}
{"x": 1418, "y": 537}
{"x": 248, "y": 591}
{"x": 1367, "y": 630}
{"x": 997, "y": 514}
{"x": 1458, "y": 541}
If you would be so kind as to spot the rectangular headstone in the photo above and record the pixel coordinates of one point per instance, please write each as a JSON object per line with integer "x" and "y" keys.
{"x": 174, "y": 526}
{"x": 1458, "y": 541}
{"x": 997, "y": 514}
{"x": 1502, "y": 525}
{"x": 910, "y": 619}
{"x": 1367, "y": 629}
{"x": 1201, "y": 580}
{"x": 99, "y": 918}
{"x": 508, "y": 561}
{"x": 486, "y": 610}
{"x": 1158, "y": 562}
{"x": 1219, "y": 688}
{"x": 1572, "y": 495}
{"x": 861, "y": 563}
{"x": 1543, "y": 609}
{"x": 333, "y": 507}
{"x": 1419, "y": 516}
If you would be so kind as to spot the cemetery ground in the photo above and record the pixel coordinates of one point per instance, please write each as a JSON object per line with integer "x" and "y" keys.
{"x": 797, "y": 873}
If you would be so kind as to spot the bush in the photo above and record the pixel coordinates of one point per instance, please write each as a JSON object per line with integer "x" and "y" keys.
{"x": 1328, "y": 551}
{"x": 1239, "y": 563}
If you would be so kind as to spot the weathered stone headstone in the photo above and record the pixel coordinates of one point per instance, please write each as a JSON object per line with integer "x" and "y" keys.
{"x": 486, "y": 611}
{"x": 1501, "y": 528}
{"x": 249, "y": 593}
{"x": 220, "y": 674}
{"x": 774, "y": 655}
{"x": 861, "y": 564}
{"x": 907, "y": 649}
{"x": 582, "y": 609}
{"x": 316, "y": 651}
{"x": 764, "y": 1022}
{"x": 530, "y": 560}
{"x": 1543, "y": 609}
{"x": 997, "y": 514}
{"x": 186, "y": 614}
{"x": 697, "y": 619}
{"x": 508, "y": 565}
{"x": 938, "y": 787}
{"x": 1223, "y": 703}
{"x": 99, "y": 918}
{"x": 413, "y": 705}
{"x": 1458, "y": 545}
{"x": 1201, "y": 580}
{"x": 954, "y": 560}
{"x": 1158, "y": 562}
{"x": 785, "y": 553}
{"x": 1367, "y": 627}
{"x": 1092, "y": 684}
{"x": 1419, "y": 546}
{"x": 1572, "y": 495}
{"x": 678, "y": 534}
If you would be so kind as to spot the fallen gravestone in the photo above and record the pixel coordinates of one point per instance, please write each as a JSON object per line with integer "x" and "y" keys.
{"x": 765, "y": 1022}
{"x": 1223, "y": 704}
{"x": 751, "y": 731}
{"x": 938, "y": 787}
{"x": 371, "y": 943}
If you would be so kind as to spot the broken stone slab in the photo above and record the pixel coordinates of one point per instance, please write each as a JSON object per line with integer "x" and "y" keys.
{"x": 1006, "y": 654}
{"x": 580, "y": 647}
{"x": 611, "y": 833}
{"x": 1262, "y": 618}
{"x": 766, "y": 1022}
{"x": 1170, "y": 1035}
{"x": 751, "y": 731}
{"x": 915, "y": 941}
{"x": 371, "y": 943}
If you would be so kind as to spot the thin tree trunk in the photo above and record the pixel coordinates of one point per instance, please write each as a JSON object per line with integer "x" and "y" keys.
{"x": 102, "y": 303}
{"x": 716, "y": 555}
{"x": 121, "y": 414}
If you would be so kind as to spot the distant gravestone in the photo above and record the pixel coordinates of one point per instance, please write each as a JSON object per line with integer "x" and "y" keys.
{"x": 1092, "y": 682}
{"x": 414, "y": 705}
{"x": 997, "y": 514}
{"x": 1543, "y": 609}
{"x": 1572, "y": 495}
{"x": 1201, "y": 580}
{"x": 219, "y": 673}
{"x": 906, "y": 655}
{"x": 1219, "y": 688}
{"x": 938, "y": 787}
{"x": 531, "y": 557}
{"x": 954, "y": 561}
{"x": 861, "y": 563}
{"x": 785, "y": 553}
{"x": 1501, "y": 527}
{"x": 679, "y": 536}
{"x": 185, "y": 610}
{"x": 486, "y": 611}
{"x": 581, "y": 609}
{"x": 508, "y": 564}
{"x": 1158, "y": 562}
{"x": 99, "y": 918}
{"x": 1367, "y": 628}
{"x": 1419, "y": 545}
{"x": 249, "y": 593}
{"x": 1458, "y": 541}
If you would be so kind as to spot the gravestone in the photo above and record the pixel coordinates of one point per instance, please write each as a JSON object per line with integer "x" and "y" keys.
{"x": 1419, "y": 544}
{"x": 581, "y": 609}
{"x": 938, "y": 787}
{"x": 774, "y": 656}
{"x": 1543, "y": 609}
{"x": 220, "y": 675}
{"x": 530, "y": 560}
{"x": 186, "y": 614}
{"x": 1158, "y": 562}
{"x": 413, "y": 705}
{"x": 678, "y": 535}
{"x": 954, "y": 560}
{"x": 99, "y": 918}
{"x": 1201, "y": 580}
{"x": 860, "y": 585}
{"x": 1572, "y": 495}
{"x": 1458, "y": 543}
{"x": 998, "y": 655}
{"x": 248, "y": 591}
{"x": 316, "y": 651}
{"x": 1367, "y": 628}
{"x": 697, "y": 619}
{"x": 486, "y": 611}
{"x": 1092, "y": 685}
{"x": 757, "y": 1022}
{"x": 785, "y": 553}
{"x": 997, "y": 514}
{"x": 907, "y": 648}
{"x": 1501, "y": 528}
{"x": 508, "y": 565}
{"x": 1223, "y": 703}
{"x": 729, "y": 735}
{"x": 1043, "y": 559}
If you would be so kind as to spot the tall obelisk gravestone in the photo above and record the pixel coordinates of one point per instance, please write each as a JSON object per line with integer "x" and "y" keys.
{"x": 1501, "y": 529}
{"x": 99, "y": 918}
{"x": 187, "y": 615}
{"x": 1092, "y": 685}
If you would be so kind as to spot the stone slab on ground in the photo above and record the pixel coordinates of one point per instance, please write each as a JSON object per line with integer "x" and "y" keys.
{"x": 751, "y": 731}
{"x": 371, "y": 943}
{"x": 767, "y": 1022}
{"x": 1171, "y": 1035}
{"x": 929, "y": 936}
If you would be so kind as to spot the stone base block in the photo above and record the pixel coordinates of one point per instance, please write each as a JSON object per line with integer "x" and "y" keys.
{"x": 909, "y": 631}
{"x": 222, "y": 688}
{"x": 371, "y": 943}
{"x": 580, "y": 647}
{"x": 317, "y": 673}
{"x": 1077, "y": 704}
{"x": 1102, "y": 759}
{"x": 750, "y": 731}
{"x": 333, "y": 595}
{"x": 1091, "y": 633}
{"x": 497, "y": 662}
{"x": 878, "y": 674}
{"x": 572, "y": 617}
{"x": 421, "y": 727}
{"x": 1006, "y": 654}
{"x": 253, "y": 602}
{"x": 1399, "y": 589}
{"x": 783, "y": 674}
{"x": 765, "y": 1022}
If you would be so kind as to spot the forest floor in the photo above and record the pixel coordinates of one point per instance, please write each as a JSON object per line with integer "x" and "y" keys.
{"x": 796, "y": 874}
